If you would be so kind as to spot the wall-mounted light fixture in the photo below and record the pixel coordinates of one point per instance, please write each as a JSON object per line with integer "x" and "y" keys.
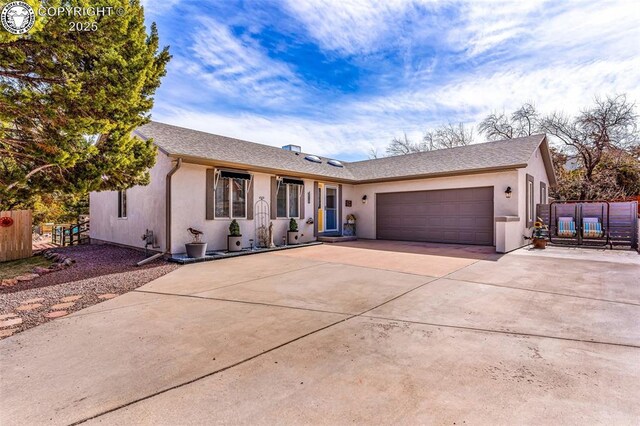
{"x": 364, "y": 199}
{"x": 508, "y": 192}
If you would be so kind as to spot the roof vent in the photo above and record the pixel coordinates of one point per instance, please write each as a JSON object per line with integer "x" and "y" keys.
{"x": 294, "y": 148}
{"x": 335, "y": 163}
{"x": 313, "y": 158}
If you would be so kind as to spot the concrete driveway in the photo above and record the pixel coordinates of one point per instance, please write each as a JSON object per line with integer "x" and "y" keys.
{"x": 364, "y": 332}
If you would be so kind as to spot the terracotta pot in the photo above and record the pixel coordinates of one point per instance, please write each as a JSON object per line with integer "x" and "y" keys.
{"x": 539, "y": 243}
{"x": 234, "y": 243}
{"x": 293, "y": 237}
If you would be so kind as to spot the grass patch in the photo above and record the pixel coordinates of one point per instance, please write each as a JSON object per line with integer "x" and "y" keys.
{"x": 13, "y": 268}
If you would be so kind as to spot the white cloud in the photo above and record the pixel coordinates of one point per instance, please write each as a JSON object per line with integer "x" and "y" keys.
{"x": 158, "y": 7}
{"x": 556, "y": 55}
{"x": 237, "y": 68}
{"x": 351, "y": 26}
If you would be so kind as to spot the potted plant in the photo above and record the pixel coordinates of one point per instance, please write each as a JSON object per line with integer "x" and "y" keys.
{"x": 234, "y": 240}
{"x": 196, "y": 248}
{"x": 349, "y": 228}
{"x": 292, "y": 233}
{"x": 539, "y": 235}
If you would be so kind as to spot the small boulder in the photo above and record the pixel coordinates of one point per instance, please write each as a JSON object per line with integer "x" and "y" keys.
{"x": 67, "y": 262}
{"x": 8, "y": 282}
{"x": 40, "y": 270}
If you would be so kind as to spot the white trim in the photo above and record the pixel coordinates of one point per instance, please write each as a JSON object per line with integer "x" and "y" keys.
{"x": 246, "y": 201}
{"x": 335, "y": 208}
{"x": 287, "y": 189}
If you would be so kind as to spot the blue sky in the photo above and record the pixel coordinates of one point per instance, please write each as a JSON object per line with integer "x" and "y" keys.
{"x": 340, "y": 77}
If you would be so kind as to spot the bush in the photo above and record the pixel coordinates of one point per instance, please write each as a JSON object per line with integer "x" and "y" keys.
{"x": 293, "y": 225}
{"x": 234, "y": 229}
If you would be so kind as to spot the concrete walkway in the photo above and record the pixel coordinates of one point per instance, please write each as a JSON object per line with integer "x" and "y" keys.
{"x": 364, "y": 332}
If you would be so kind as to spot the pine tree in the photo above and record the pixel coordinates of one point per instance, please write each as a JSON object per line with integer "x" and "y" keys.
{"x": 69, "y": 101}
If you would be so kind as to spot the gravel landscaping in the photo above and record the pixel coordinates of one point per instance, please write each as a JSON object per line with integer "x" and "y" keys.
{"x": 101, "y": 272}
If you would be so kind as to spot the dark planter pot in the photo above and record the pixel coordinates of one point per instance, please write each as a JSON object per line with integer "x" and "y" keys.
{"x": 539, "y": 243}
{"x": 234, "y": 243}
{"x": 196, "y": 250}
{"x": 293, "y": 237}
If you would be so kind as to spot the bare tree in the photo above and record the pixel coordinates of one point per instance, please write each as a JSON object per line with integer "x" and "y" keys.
{"x": 373, "y": 153}
{"x": 522, "y": 122}
{"x": 449, "y": 136}
{"x": 403, "y": 146}
{"x": 606, "y": 133}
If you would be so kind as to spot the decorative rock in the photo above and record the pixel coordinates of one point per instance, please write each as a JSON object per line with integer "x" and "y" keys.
{"x": 67, "y": 262}
{"x": 40, "y": 270}
{"x": 30, "y": 301}
{"x": 7, "y": 333}
{"x": 71, "y": 298}
{"x": 9, "y": 281}
{"x": 10, "y": 322}
{"x": 28, "y": 307}
{"x": 27, "y": 277}
{"x": 56, "y": 314}
{"x": 56, "y": 267}
{"x": 107, "y": 296}
{"x": 62, "y": 306}
{"x": 5, "y": 316}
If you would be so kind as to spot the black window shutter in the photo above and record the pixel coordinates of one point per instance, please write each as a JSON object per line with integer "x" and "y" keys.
{"x": 314, "y": 207}
{"x": 274, "y": 199}
{"x": 302, "y": 202}
{"x": 210, "y": 195}
{"x": 340, "y": 208}
{"x": 251, "y": 184}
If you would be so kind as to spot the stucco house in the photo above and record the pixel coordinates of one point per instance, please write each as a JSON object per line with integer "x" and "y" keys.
{"x": 479, "y": 194}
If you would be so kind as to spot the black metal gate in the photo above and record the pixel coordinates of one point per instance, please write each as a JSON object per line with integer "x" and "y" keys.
{"x": 591, "y": 223}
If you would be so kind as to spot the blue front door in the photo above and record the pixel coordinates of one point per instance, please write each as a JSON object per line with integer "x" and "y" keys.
{"x": 330, "y": 209}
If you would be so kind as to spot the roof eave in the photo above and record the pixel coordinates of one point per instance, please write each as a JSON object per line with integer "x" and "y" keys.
{"x": 548, "y": 161}
{"x": 443, "y": 174}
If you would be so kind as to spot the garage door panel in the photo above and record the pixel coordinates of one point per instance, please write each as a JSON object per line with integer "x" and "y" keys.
{"x": 467, "y": 222}
{"x": 462, "y": 216}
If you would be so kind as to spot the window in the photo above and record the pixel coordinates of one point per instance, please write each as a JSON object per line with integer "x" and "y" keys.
{"x": 288, "y": 199}
{"x": 530, "y": 201}
{"x": 543, "y": 193}
{"x": 231, "y": 198}
{"x": 122, "y": 204}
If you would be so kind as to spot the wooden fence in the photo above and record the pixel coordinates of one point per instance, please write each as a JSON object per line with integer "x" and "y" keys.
{"x": 15, "y": 235}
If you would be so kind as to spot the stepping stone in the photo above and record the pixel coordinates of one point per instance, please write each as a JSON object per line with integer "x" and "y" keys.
{"x": 60, "y": 306}
{"x": 27, "y": 277}
{"x": 5, "y": 316}
{"x": 28, "y": 307}
{"x": 56, "y": 314}
{"x": 107, "y": 296}
{"x": 71, "y": 298}
{"x": 30, "y": 301}
{"x": 7, "y": 333}
{"x": 10, "y": 322}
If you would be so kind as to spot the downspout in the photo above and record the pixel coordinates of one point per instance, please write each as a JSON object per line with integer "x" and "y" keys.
{"x": 167, "y": 249}
{"x": 167, "y": 197}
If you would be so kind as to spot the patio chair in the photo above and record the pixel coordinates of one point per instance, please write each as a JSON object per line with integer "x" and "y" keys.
{"x": 592, "y": 228}
{"x": 566, "y": 227}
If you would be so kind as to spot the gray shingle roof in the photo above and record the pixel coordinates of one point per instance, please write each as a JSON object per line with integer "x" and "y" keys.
{"x": 488, "y": 155}
{"x": 179, "y": 141}
{"x": 186, "y": 142}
